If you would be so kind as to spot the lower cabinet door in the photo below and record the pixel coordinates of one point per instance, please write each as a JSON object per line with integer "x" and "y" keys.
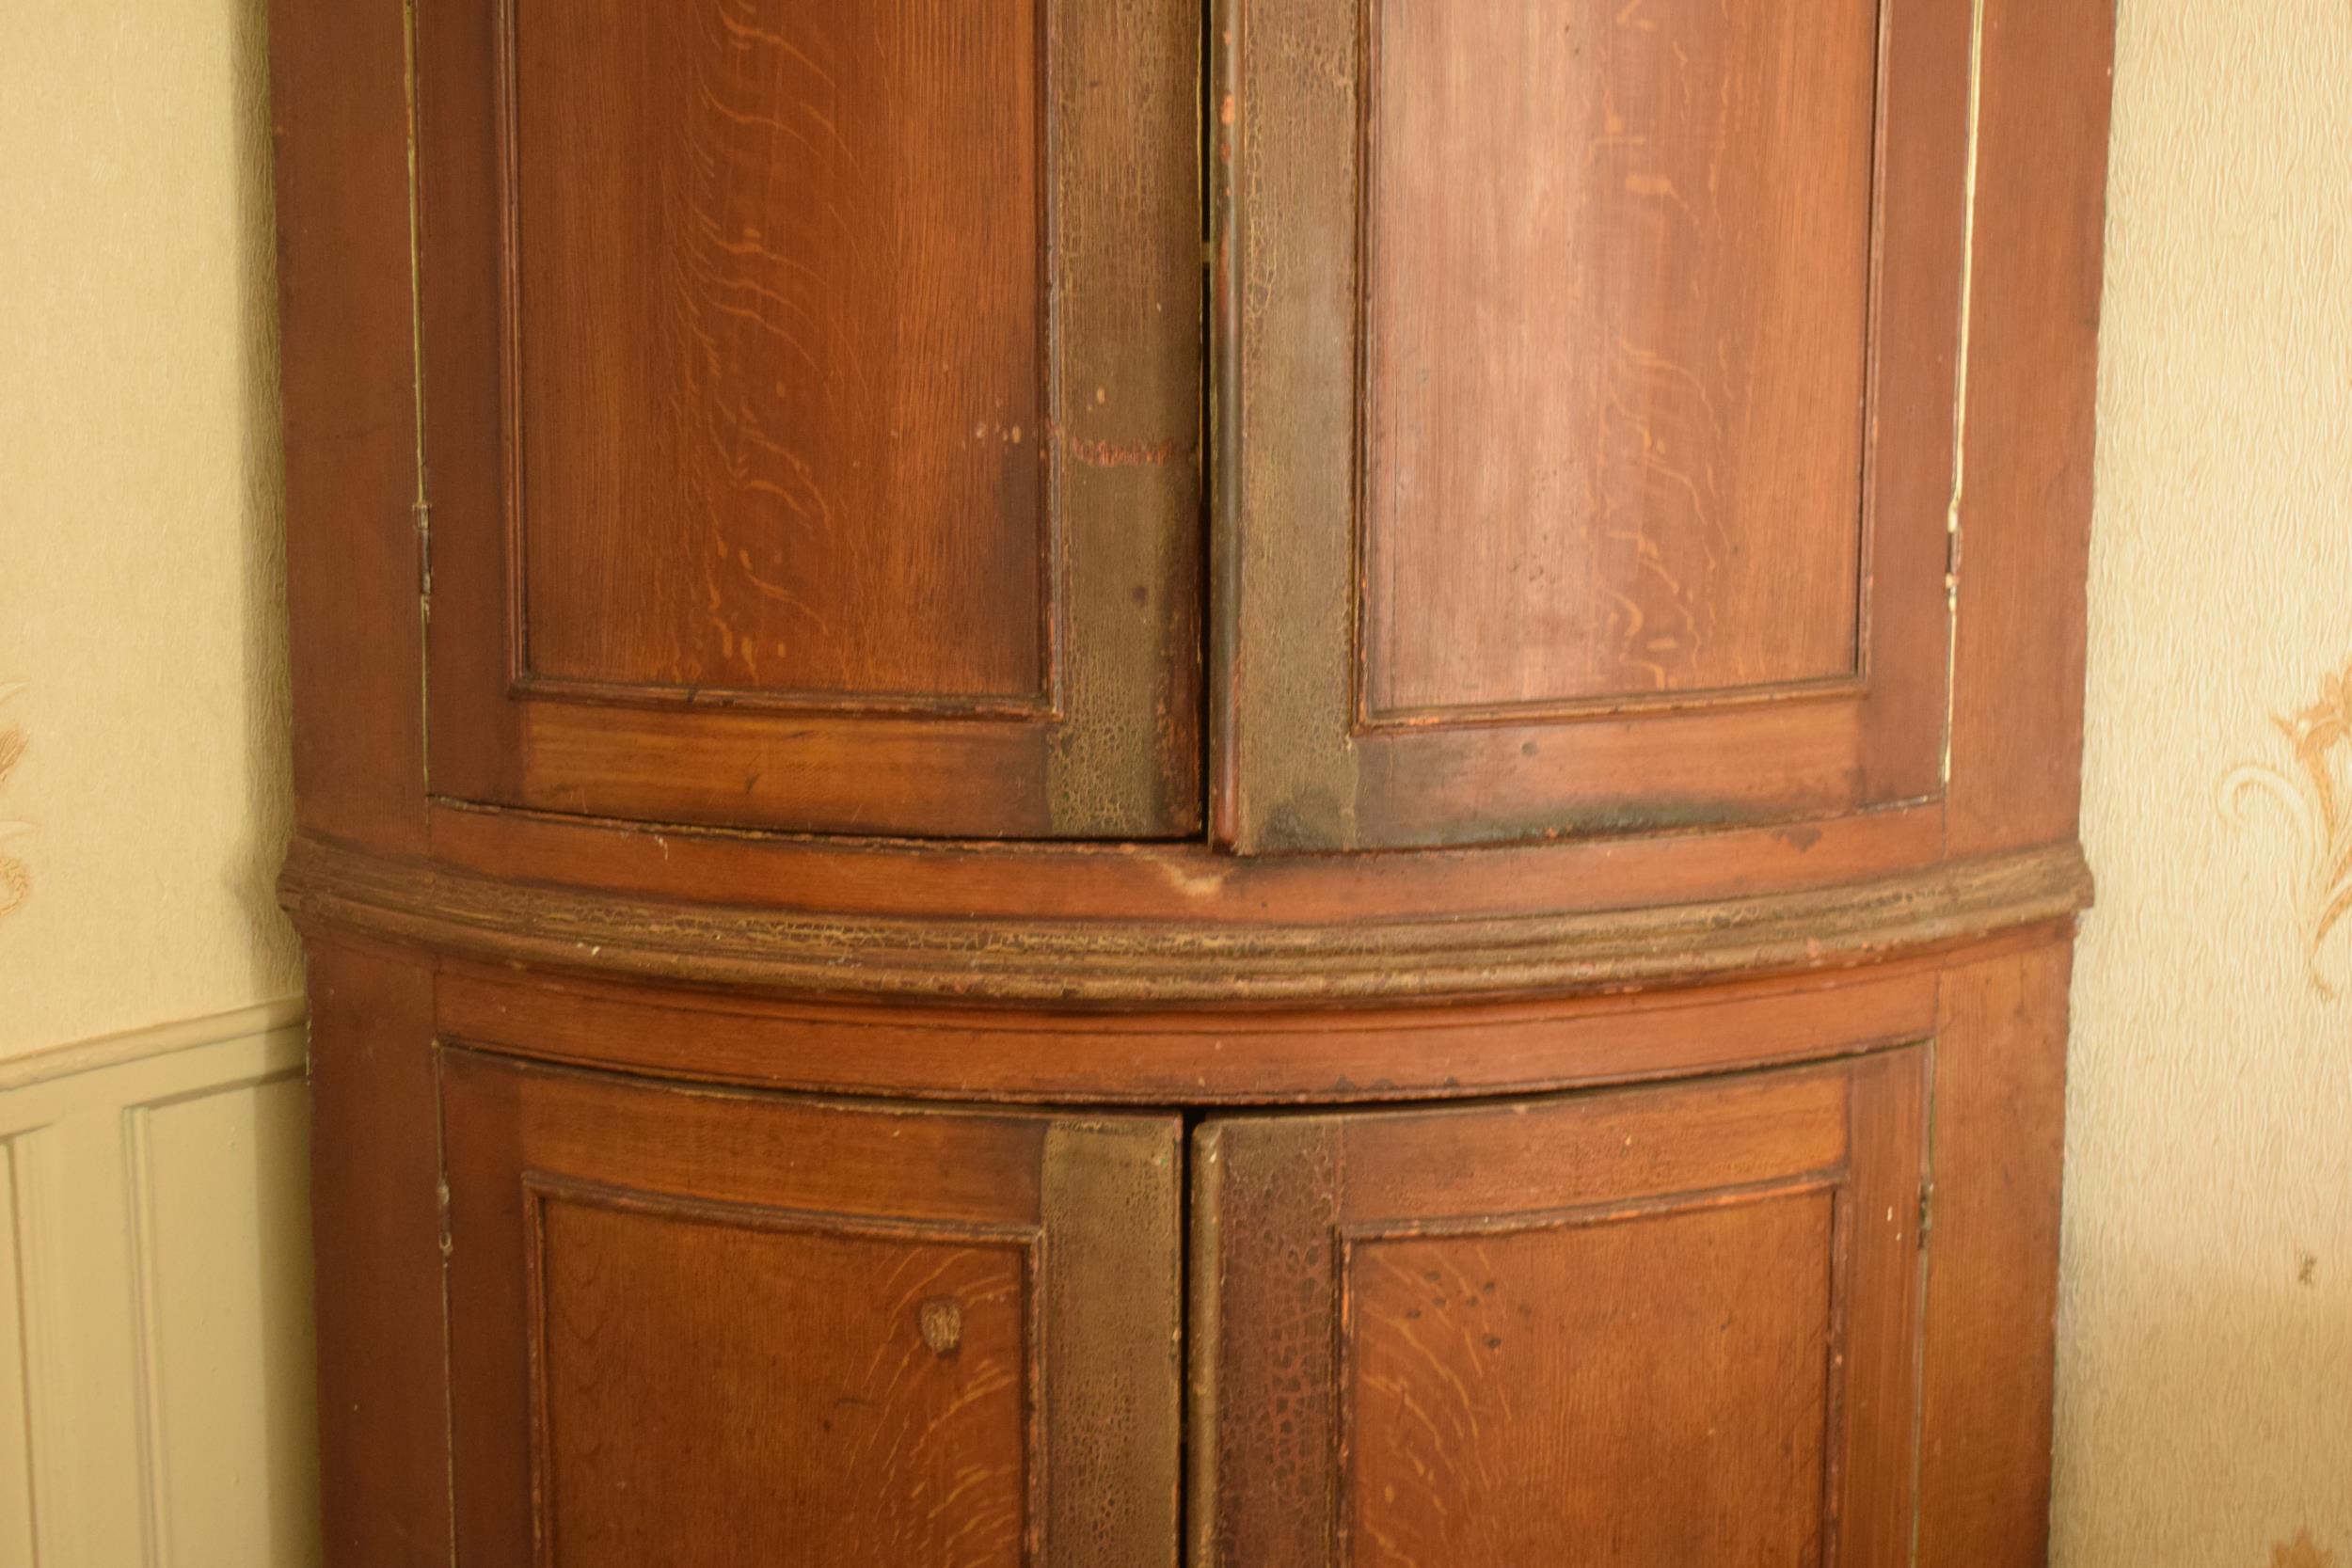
{"x": 710, "y": 1330}
{"x": 1656, "y": 1327}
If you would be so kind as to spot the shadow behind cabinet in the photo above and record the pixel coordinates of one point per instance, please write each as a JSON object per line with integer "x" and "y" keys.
{"x": 979, "y": 894}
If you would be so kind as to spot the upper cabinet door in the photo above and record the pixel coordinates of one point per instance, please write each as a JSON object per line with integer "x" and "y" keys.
{"x": 1587, "y": 414}
{"x": 812, "y": 409}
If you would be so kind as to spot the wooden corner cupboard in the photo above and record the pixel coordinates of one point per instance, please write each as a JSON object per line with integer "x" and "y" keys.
{"x": 1085, "y": 786}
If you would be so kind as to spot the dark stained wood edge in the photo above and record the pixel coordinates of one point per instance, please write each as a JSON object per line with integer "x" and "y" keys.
{"x": 2046, "y": 80}
{"x": 1126, "y": 963}
{"x": 340, "y": 116}
{"x": 1264, "y": 1282}
{"x": 384, "y": 1469}
{"x": 1124, "y": 370}
{"x": 1223, "y": 426}
{"x": 1285, "y": 772}
{"x": 1112, "y": 1324}
{"x": 1988, "y": 1354}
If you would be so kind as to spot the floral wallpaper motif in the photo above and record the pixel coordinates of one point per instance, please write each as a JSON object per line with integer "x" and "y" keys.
{"x": 16, "y": 880}
{"x": 2301, "y": 1552}
{"x": 2314, "y": 792}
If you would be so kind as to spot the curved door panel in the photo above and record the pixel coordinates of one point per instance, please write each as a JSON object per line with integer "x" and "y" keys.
{"x": 1591, "y": 372}
{"x": 1647, "y": 1326}
{"x": 810, "y": 412}
{"x": 701, "y": 1328}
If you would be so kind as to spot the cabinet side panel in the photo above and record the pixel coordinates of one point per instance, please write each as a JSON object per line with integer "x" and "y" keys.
{"x": 377, "y": 1224}
{"x": 2033, "y": 336}
{"x": 1998, "y": 1144}
{"x": 337, "y": 82}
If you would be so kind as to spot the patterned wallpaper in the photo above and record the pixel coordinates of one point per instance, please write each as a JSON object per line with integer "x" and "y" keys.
{"x": 2311, "y": 791}
{"x": 16, "y": 878}
{"x": 142, "y": 639}
{"x": 2206, "y": 1362}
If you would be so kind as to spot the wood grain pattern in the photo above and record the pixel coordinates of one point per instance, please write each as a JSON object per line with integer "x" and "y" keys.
{"x": 1990, "y": 1353}
{"x": 384, "y": 1380}
{"x": 1648, "y": 1325}
{"x": 812, "y": 451}
{"x": 1190, "y": 1057}
{"x": 832, "y": 1398}
{"x": 812, "y": 413}
{"x": 712, "y": 1328}
{"x": 988, "y": 879}
{"x": 1612, "y": 397}
{"x": 340, "y": 143}
{"x": 2023, "y": 508}
{"x": 780, "y": 329}
{"x": 1169, "y": 961}
{"x": 1646, "y": 1387}
{"x": 1482, "y": 710}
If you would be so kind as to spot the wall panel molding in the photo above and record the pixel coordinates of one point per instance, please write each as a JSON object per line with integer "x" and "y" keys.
{"x": 155, "y": 1357}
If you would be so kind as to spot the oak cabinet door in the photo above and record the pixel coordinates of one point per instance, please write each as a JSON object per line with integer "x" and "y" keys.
{"x": 811, "y": 409}
{"x": 710, "y": 1329}
{"x": 1586, "y": 418}
{"x": 1649, "y": 1327}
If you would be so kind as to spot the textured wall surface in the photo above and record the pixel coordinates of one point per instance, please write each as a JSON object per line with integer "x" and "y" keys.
{"x": 143, "y": 790}
{"x": 2205, "y": 1378}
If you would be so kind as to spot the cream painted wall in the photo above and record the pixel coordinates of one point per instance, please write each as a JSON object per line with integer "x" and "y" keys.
{"x": 2205, "y": 1377}
{"x": 142, "y": 649}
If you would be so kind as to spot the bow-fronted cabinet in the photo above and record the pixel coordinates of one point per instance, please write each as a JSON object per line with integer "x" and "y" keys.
{"x": 1103, "y": 783}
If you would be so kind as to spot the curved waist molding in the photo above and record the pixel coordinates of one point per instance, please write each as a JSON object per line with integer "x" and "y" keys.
{"x": 1180, "y": 960}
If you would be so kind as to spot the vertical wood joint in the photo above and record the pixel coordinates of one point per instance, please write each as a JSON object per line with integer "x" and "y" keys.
{"x": 422, "y": 513}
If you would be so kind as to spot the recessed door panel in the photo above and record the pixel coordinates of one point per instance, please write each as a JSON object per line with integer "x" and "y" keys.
{"x": 811, "y": 398}
{"x": 1643, "y": 1326}
{"x": 779, "y": 351}
{"x": 1658, "y": 1381}
{"x": 1589, "y": 375}
{"x": 899, "y": 1379}
{"x": 1616, "y": 292}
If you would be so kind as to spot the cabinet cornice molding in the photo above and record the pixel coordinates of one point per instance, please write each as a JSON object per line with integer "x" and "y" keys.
{"x": 1187, "y": 960}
